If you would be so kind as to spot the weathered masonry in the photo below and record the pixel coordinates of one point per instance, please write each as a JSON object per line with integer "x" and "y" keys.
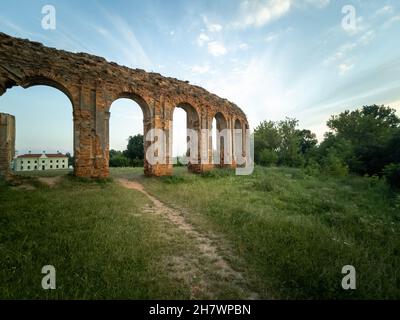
{"x": 7, "y": 143}
{"x": 92, "y": 84}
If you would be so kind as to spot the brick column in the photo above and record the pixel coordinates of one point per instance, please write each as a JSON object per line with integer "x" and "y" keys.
{"x": 160, "y": 120}
{"x": 90, "y": 134}
{"x": 7, "y": 143}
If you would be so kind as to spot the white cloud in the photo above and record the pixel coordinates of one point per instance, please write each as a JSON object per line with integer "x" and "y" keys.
{"x": 202, "y": 38}
{"x": 259, "y": 13}
{"x": 133, "y": 54}
{"x": 344, "y": 68}
{"x": 392, "y": 20}
{"x": 243, "y": 46}
{"x": 367, "y": 37}
{"x": 271, "y": 37}
{"x": 216, "y": 48}
{"x": 359, "y": 26}
{"x": 385, "y": 10}
{"x": 342, "y": 53}
{"x": 212, "y": 27}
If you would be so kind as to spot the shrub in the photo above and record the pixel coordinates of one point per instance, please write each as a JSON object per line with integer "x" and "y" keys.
{"x": 268, "y": 158}
{"x": 137, "y": 162}
{"x": 334, "y": 166}
{"x": 312, "y": 168}
{"x": 392, "y": 174}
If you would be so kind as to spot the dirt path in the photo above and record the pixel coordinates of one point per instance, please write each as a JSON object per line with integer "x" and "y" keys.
{"x": 207, "y": 250}
{"x": 50, "y": 181}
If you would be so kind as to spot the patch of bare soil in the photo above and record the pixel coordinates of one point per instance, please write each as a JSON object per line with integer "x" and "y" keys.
{"x": 50, "y": 181}
{"x": 202, "y": 269}
{"x": 24, "y": 187}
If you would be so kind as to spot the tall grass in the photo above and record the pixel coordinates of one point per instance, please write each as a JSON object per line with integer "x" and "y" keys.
{"x": 296, "y": 231}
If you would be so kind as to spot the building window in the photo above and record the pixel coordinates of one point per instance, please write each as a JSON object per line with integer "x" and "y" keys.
{"x": 22, "y": 161}
{"x": 63, "y": 166}
{"x": 22, "y": 168}
{"x": 29, "y": 161}
{"x": 42, "y": 161}
{"x": 29, "y": 167}
{"x": 57, "y": 161}
{"x": 51, "y": 161}
{"x": 57, "y": 166}
{"x": 35, "y": 161}
{"x": 35, "y": 167}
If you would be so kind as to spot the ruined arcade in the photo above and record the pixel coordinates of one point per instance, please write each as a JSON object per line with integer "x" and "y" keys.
{"x": 92, "y": 84}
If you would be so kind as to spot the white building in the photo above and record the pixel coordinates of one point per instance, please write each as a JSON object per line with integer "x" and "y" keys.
{"x": 49, "y": 161}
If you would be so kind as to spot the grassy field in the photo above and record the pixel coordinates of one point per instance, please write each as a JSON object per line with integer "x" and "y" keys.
{"x": 295, "y": 232}
{"x": 288, "y": 232}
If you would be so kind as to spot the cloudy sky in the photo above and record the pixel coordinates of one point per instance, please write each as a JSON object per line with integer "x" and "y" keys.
{"x": 274, "y": 58}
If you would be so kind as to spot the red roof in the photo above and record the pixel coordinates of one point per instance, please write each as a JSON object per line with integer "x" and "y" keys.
{"x": 38, "y": 155}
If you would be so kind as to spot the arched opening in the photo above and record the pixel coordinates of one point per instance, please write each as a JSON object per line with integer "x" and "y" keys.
{"x": 221, "y": 143}
{"x": 185, "y": 136}
{"x": 129, "y": 117}
{"x": 43, "y": 114}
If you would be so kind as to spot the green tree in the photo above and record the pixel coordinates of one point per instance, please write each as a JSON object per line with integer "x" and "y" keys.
{"x": 135, "y": 148}
{"x": 118, "y": 159}
{"x": 308, "y": 141}
{"x": 267, "y": 140}
{"x": 369, "y": 131}
{"x": 289, "y": 150}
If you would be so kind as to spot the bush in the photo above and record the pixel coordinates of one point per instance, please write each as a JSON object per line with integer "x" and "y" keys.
{"x": 268, "y": 158}
{"x": 334, "y": 166}
{"x": 312, "y": 168}
{"x": 137, "y": 163}
{"x": 119, "y": 160}
{"x": 392, "y": 174}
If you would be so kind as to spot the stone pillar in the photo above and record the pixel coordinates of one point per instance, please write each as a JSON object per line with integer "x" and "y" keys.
{"x": 90, "y": 134}
{"x": 7, "y": 143}
{"x": 160, "y": 120}
{"x": 205, "y": 162}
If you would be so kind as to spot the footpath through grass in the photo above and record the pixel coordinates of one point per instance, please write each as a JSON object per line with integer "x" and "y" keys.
{"x": 94, "y": 234}
{"x": 295, "y": 232}
{"x": 288, "y": 232}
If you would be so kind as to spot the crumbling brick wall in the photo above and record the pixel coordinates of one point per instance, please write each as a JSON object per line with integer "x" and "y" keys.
{"x": 92, "y": 84}
{"x": 7, "y": 143}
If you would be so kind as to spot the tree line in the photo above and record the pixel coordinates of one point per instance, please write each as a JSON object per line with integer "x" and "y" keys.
{"x": 133, "y": 156}
{"x": 365, "y": 142}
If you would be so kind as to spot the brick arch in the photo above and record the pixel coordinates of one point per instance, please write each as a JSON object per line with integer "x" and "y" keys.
{"x": 193, "y": 122}
{"x": 192, "y": 112}
{"x": 49, "y": 81}
{"x": 143, "y": 104}
{"x": 92, "y": 84}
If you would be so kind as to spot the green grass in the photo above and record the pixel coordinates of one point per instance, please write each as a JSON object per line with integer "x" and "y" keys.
{"x": 95, "y": 236}
{"x": 290, "y": 234}
{"x": 44, "y": 173}
{"x": 295, "y": 232}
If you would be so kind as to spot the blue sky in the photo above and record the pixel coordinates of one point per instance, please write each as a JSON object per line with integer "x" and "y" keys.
{"x": 273, "y": 58}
